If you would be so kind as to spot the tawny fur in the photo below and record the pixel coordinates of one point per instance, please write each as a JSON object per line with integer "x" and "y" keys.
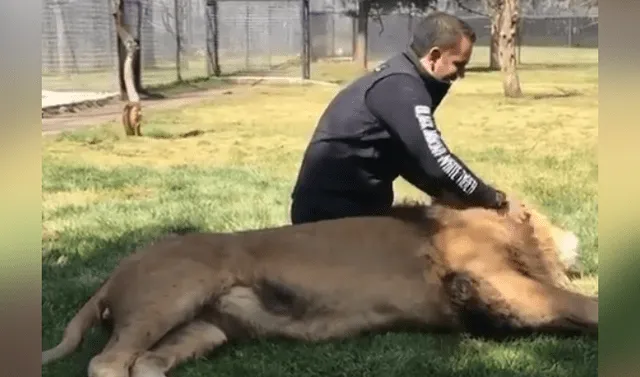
{"x": 132, "y": 119}
{"x": 421, "y": 267}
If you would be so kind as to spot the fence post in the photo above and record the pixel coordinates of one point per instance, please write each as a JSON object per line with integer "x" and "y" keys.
{"x": 409, "y": 27}
{"x": 60, "y": 38}
{"x": 246, "y": 36}
{"x": 333, "y": 29}
{"x": 137, "y": 60}
{"x": 177, "y": 28}
{"x": 570, "y": 37}
{"x": 306, "y": 41}
{"x": 269, "y": 10}
{"x": 213, "y": 62}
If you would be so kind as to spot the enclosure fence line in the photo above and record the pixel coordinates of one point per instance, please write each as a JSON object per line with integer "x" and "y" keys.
{"x": 191, "y": 39}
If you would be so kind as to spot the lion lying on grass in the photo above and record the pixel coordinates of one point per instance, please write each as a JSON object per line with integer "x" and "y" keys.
{"x": 425, "y": 267}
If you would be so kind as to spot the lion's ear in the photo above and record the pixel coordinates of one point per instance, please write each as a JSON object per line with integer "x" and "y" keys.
{"x": 526, "y": 211}
{"x": 518, "y": 210}
{"x": 527, "y": 214}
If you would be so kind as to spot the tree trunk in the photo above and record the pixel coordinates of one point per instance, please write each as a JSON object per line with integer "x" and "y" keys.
{"x": 131, "y": 47}
{"x": 132, "y": 112}
{"x": 137, "y": 68}
{"x": 508, "y": 33}
{"x": 213, "y": 63}
{"x": 178, "y": 29}
{"x": 128, "y": 56}
{"x": 494, "y": 46}
{"x": 360, "y": 51}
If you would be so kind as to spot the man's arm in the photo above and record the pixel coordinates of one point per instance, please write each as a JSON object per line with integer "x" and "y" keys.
{"x": 403, "y": 104}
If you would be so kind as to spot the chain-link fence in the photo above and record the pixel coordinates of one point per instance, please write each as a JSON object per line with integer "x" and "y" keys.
{"x": 260, "y": 36}
{"x": 332, "y": 33}
{"x": 79, "y": 45}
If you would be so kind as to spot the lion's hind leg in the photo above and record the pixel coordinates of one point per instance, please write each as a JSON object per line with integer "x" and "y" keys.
{"x": 191, "y": 340}
{"x": 508, "y": 303}
{"x": 141, "y": 317}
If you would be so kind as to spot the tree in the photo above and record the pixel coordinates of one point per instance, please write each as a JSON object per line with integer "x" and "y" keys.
{"x": 364, "y": 9}
{"x": 509, "y": 20}
{"x": 494, "y": 10}
{"x": 132, "y": 112}
{"x": 362, "y": 24}
{"x": 173, "y": 16}
{"x": 505, "y": 18}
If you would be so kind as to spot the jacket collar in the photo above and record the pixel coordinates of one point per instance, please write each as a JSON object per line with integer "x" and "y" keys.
{"x": 438, "y": 89}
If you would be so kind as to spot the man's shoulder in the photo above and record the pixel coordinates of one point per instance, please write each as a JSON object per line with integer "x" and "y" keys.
{"x": 385, "y": 78}
{"x": 396, "y": 64}
{"x": 400, "y": 80}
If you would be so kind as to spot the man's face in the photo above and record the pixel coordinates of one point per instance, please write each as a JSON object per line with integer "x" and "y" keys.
{"x": 450, "y": 63}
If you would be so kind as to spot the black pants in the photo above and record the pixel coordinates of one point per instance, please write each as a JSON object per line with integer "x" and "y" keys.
{"x": 307, "y": 208}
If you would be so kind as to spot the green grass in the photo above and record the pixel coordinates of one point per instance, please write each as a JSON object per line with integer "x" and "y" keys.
{"x": 104, "y": 195}
{"x": 165, "y": 73}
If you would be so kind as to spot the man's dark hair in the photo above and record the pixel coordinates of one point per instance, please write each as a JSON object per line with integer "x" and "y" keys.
{"x": 441, "y": 30}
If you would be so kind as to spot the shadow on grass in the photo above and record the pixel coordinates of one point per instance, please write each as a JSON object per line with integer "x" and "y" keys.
{"x": 149, "y": 95}
{"x": 69, "y": 279}
{"x": 161, "y": 134}
{"x": 621, "y": 304}
{"x": 561, "y": 93}
{"x": 536, "y": 66}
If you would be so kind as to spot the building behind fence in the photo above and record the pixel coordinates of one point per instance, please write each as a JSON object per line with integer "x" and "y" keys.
{"x": 254, "y": 37}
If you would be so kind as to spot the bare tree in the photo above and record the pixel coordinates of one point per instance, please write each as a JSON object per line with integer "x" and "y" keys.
{"x": 173, "y": 16}
{"x": 362, "y": 10}
{"x": 362, "y": 25}
{"x": 510, "y": 19}
{"x": 505, "y": 19}
{"x": 132, "y": 112}
{"x": 492, "y": 9}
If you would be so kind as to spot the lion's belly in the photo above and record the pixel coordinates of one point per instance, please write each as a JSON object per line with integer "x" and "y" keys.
{"x": 325, "y": 316}
{"x": 317, "y": 302}
{"x": 351, "y": 283}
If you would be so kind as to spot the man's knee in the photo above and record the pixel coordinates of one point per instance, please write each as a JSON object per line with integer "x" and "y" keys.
{"x": 302, "y": 213}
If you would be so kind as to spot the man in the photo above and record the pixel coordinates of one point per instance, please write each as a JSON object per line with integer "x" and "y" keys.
{"x": 381, "y": 126}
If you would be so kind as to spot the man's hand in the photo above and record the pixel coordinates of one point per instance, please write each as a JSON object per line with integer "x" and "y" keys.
{"x": 504, "y": 205}
{"x": 511, "y": 207}
{"x": 501, "y": 204}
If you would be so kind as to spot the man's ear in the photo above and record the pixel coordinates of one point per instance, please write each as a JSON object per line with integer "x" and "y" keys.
{"x": 429, "y": 60}
{"x": 434, "y": 54}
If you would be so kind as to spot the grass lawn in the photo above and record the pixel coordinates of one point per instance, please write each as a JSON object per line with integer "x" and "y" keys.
{"x": 104, "y": 195}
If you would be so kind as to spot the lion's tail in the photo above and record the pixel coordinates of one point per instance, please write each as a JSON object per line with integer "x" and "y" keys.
{"x": 87, "y": 317}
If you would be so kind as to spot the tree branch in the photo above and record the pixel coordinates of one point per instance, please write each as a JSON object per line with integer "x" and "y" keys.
{"x": 132, "y": 112}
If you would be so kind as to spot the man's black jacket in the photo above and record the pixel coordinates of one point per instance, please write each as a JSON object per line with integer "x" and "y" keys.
{"x": 380, "y": 127}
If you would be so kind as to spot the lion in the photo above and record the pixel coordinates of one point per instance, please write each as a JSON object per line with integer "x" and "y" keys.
{"x": 422, "y": 267}
{"x": 132, "y": 119}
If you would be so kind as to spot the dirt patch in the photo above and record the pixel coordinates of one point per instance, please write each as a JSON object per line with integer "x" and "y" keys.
{"x": 113, "y": 111}
{"x": 86, "y": 116}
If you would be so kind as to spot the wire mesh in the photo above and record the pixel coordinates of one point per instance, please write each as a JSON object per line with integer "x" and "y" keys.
{"x": 260, "y": 37}
{"x": 257, "y": 37}
{"x": 78, "y": 46}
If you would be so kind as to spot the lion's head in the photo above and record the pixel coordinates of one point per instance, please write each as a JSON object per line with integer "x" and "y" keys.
{"x": 549, "y": 236}
{"x": 519, "y": 224}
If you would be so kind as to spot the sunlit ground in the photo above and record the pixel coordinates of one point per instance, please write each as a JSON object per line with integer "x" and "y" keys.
{"x": 103, "y": 195}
